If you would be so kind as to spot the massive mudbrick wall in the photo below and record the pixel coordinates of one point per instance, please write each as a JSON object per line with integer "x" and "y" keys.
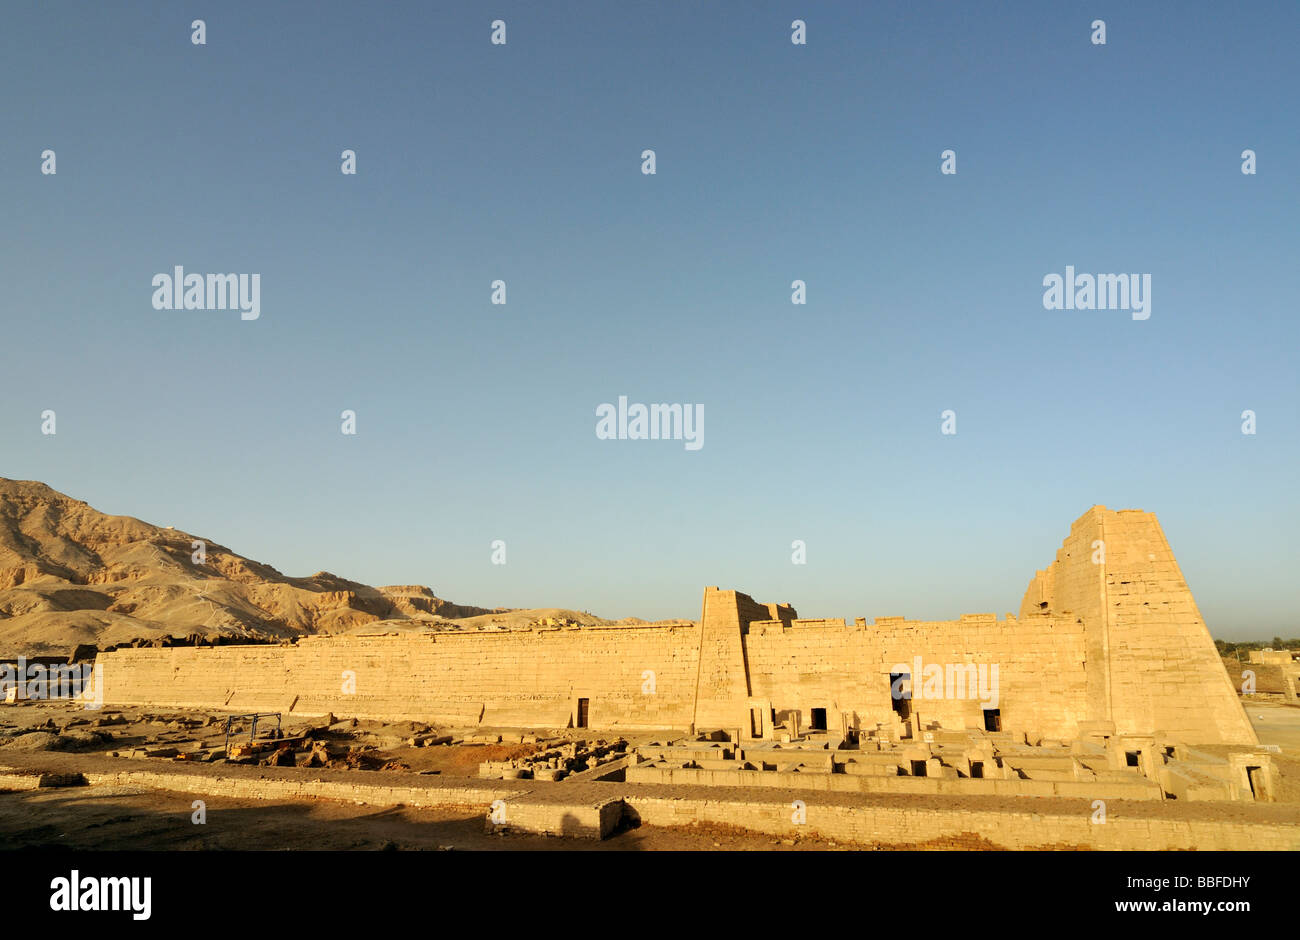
{"x": 1108, "y": 641}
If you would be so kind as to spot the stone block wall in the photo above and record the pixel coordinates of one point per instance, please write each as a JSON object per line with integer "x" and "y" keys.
{"x": 635, "y": 676}
{"x": 1039, "y": 677}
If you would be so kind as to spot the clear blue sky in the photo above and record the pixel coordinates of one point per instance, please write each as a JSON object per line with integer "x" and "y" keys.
{"x": 775, "y": 162}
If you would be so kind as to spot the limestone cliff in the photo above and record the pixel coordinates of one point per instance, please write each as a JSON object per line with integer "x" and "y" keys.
{"x": 71, "y": 575}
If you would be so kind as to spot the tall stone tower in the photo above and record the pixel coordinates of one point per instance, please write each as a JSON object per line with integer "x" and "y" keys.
{"x": 722, "y": 685}
{"x": 1151, "y": 665}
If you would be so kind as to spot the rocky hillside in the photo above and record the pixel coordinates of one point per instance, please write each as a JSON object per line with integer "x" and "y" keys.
{"x": 71, "y": 575}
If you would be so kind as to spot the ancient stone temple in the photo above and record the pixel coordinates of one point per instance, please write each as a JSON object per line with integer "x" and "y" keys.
{"x": 1108, "y": 642}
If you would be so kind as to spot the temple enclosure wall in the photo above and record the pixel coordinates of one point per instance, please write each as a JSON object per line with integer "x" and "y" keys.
{"x": 1039, "y": 678}
{"x": 502, "y": 678}
{"x": 1108, "y": 640}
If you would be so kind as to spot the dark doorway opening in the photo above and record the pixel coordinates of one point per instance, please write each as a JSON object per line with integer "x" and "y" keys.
{"x": 977, "y": 769}
{"x": 900, "y": 691}
{"x": 918, "y": 768}
{"x": 584, "y": 707}
{"x": 1131, "y": 758}
{"x": 992, "y": 719}
{"x": 1254, "y": 776}
{"x": 818, "y": 719}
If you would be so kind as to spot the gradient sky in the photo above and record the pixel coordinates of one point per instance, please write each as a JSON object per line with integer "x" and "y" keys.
{"x": 775, "y": 162}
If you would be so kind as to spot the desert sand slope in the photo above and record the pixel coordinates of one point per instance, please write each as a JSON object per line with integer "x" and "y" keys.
{"x": 522, "y": 618}
{"x": 71, "y": 575}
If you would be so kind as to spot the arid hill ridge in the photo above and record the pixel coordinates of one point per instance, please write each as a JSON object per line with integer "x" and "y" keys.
{"x": 72, "y": 575}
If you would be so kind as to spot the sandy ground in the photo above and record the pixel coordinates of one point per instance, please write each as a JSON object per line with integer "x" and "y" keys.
{"x": 1276, "y": 724}
{"x": 95, "y": 818}
{"x": 1280, "y": 724}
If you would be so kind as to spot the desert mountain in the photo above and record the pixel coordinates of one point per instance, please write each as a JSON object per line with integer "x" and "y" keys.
{"x": 71, "y": 575}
